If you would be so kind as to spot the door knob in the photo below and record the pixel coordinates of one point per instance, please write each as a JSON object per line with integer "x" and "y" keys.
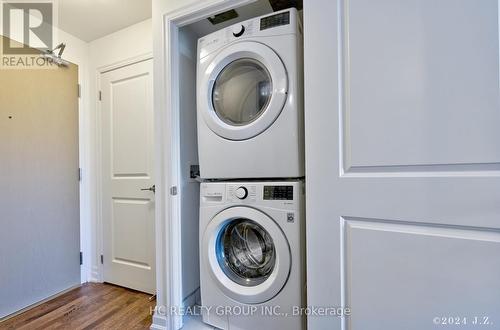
{"x": 152, "y": 188}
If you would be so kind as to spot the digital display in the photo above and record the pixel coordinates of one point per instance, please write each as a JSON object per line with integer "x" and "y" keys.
{"x": 278, "y": 193}
{"x": 275, "y": 20}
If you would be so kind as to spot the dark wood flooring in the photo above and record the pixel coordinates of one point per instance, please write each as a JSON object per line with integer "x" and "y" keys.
{"x": 91, "y": 306}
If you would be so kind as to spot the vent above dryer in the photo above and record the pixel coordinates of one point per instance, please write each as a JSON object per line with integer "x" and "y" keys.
{"x": 222, "y": 17}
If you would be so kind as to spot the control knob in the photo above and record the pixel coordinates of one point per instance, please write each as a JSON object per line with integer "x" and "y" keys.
{"x": 241, "y": 192}
{"x": 238, "y": 30}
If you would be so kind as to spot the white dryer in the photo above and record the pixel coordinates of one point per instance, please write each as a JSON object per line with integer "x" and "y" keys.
{"x": 252, "y": 254}
{"x": 249, "y": 99}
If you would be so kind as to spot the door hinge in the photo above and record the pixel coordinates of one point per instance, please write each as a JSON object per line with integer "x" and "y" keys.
{"x": 79, "y": 90}
{"x": 102, "y": 259}
{"x": 81, "y": 258}
{"x": 80, "y": 175}
{"x": 100, "y": 96}
{"x": 173, "y": 190}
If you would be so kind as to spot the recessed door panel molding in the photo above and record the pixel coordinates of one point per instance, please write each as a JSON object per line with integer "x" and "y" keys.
{"x": 131, "y": 126}
{"x": 129, "y": 218}
{"x": 412, "y": 263}
{"x": 419, "y": 87}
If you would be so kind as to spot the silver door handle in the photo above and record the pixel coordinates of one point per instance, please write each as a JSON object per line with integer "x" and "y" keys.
{"x": 152, "y": 188}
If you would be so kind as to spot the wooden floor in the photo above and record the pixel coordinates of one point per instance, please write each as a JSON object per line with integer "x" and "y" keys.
{"x": 91, "y": 306}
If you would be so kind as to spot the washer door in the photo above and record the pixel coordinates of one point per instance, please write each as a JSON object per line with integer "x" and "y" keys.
{"x": 243, "y": 90}
{"x": 247, "y": 254}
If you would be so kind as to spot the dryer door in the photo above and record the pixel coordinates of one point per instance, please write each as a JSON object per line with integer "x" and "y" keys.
{"x": 243, "y": 90}
{"x": 247, "y": 253}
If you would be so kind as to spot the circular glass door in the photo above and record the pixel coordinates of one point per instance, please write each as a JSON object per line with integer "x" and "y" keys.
{"x": 245, "y": 252}
{"x": 241, "y": 91}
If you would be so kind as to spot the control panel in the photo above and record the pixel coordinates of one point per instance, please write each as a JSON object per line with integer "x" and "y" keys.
{"x": 285, "y": 195}
{"x": 276, "y": 24}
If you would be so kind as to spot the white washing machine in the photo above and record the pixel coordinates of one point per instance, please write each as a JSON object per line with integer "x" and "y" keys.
{"x": 249, "y": 99}
{"x": 252, "y": 269}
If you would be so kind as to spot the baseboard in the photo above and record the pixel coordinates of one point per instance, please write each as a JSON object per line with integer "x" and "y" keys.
{"x": 95, "y": 275}
{"x": 159, "y": 322}
{"x": 198, "y": 297}
{"x": 192, "y": 299}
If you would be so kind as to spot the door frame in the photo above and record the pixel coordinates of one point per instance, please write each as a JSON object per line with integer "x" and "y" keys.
{"x": 98, "y": 272}
{"x": 167, "y": 157}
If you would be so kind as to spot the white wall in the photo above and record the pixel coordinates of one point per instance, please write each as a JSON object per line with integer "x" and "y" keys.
{"x": 124, "y": 44}
{"x": 131, "y": 42}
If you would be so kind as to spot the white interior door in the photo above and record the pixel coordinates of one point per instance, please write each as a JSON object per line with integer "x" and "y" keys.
{"x": 127, "y": 169}
{"x": 403, "y": 163}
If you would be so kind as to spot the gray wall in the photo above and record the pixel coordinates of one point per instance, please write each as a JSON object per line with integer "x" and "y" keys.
{"x": 39, "y": 202}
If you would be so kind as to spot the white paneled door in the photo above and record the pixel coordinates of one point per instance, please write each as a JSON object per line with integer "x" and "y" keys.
{"x": 127, "y": 176}
{"x": 403, "y": 163}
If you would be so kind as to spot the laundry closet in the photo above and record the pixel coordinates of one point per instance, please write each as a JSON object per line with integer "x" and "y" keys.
{"x": 242, "y": 148}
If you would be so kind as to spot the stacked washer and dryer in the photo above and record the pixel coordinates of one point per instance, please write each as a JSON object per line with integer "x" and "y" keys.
{"x": 251, "y": 154}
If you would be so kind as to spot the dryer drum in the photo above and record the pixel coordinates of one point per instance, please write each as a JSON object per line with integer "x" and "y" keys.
{"x": 246, "y": 252}
{"x": 242, "y": 91}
